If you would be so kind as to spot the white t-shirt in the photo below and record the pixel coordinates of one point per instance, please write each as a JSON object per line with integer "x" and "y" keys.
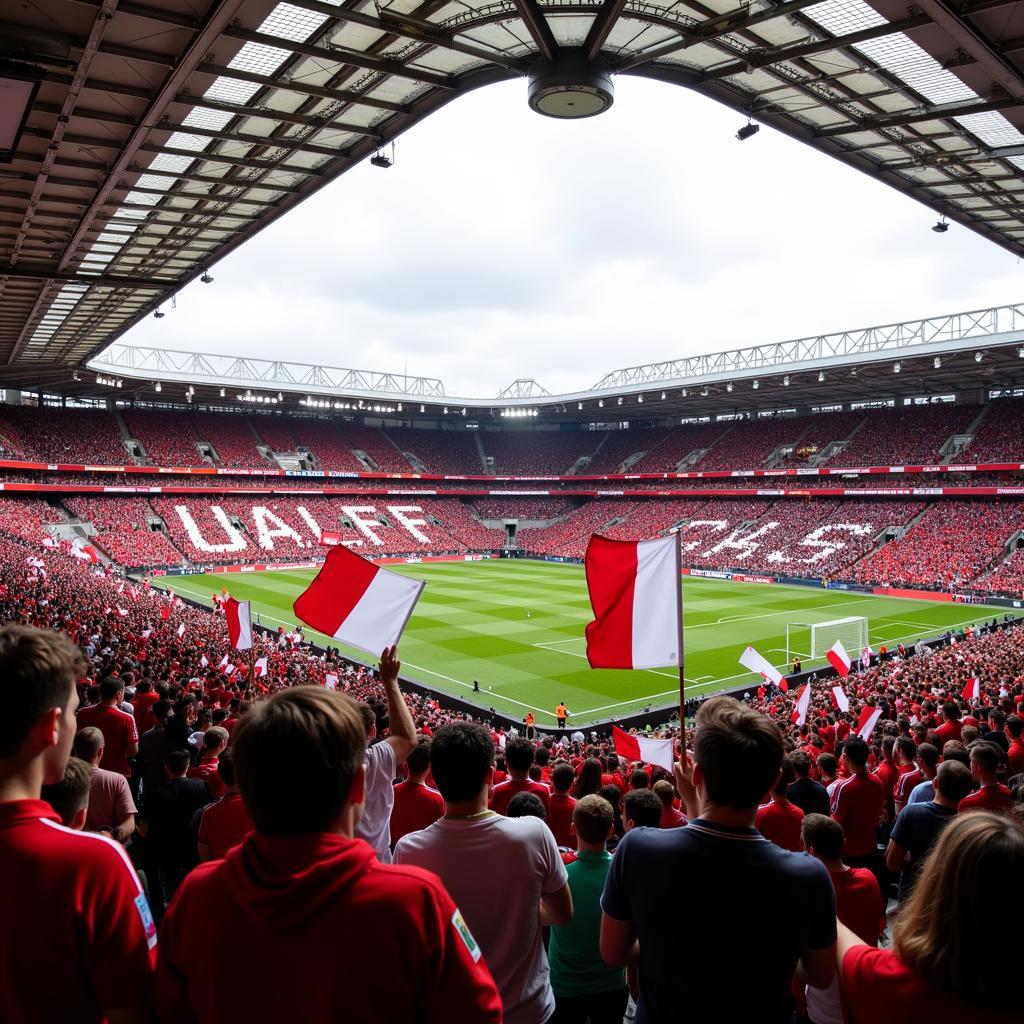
{"x": 496, "y": 870}
{"x": 375, "y": 824}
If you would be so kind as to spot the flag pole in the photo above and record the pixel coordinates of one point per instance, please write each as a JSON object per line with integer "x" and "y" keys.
{"x": 679, "y": 648}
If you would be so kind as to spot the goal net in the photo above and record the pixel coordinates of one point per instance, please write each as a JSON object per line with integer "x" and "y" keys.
{"x": 851, "y": 632}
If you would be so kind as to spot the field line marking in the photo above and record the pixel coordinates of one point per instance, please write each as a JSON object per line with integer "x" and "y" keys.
{"x": 787, "y": 611}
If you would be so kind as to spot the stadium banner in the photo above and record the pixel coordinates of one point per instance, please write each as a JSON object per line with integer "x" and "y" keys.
{"x": 917, "y": 595}
{"x": 742, "y": 578}
{"x": 801, "y": 581}
{"x": 289, "y": 566}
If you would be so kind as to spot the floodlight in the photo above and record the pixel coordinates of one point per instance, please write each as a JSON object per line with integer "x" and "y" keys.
{"x": 785, "y": 381}
{"x": 640, "y": 399}
{"x": 937, "y": 363}
{"x": 159, "y": 313}
{"x": 821, "y": 376}
{"x": 897, "y": 366}
{"x": 206, "y": 278}
{"x": 747, "y": 131}
{"x": 940, "y": 226}
{"x": 978, "y": 357}
{"x": 158, "y": 386}
{"x": 756, "y": 384}
{"x": 380, "y": 159}
{"x": 728, "y": 387}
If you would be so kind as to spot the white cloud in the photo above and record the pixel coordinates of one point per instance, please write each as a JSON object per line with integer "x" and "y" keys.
{"x": 504, "y": 245}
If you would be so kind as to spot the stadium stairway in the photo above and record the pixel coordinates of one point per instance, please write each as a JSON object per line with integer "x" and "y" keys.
{"x": 960, "y": 443}
{"x": 833, "y": 448}
{"x": 133, "y": 446}
{"x": 480, "y": 451}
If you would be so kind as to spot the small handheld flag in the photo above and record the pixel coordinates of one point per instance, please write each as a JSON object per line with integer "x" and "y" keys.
{"x": 869, "y": 716}
{"x": 839, "y": 659}
{"x": 239, "y": 620}
{"x": 756, "y": 663}
{"x": 972, "y": 689}
{"x": 640, "y": 748}
{"x": 803, "y": 702}
{"x": 839, "y": 698}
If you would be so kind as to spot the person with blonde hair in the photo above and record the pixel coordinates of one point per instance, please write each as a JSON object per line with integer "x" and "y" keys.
{"x": 940, "y": 963}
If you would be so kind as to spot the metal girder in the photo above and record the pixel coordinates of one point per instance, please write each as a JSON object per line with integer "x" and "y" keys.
{"x": 340, "y": 55}
{"x": 306, "y": 89}
{"x": 537, "y": 26}
{"x": 778, "y": 54}
{"x": 918, "y": 116}
{"x": 161, "y": 15}
{"x": 210, "y": 157}
{"x": 601, "y": 27}
{"x": 32, "y": 273}
{"x": 284, "y": 116}
{"x": 261, "y": 141}
{"x": 395, "y": 23}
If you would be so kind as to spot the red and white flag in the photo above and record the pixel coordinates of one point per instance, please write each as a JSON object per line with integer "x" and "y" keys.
{"x": 640, "y": 748}
{"x": 261, "y": 666}
{"x": 223, "y": 663}
{"x": 867, "y": 720}
{"x": 84, "y": 552}
{"x": 181, "y": 629}
{"x": 803, "y": 702}
{"x": 122, "y": 612}
{"x": 839, "y": 698}
{"x": 357, "y": 602}
{"x": 636, "y": 595}
{"x": 239, "y": 619}
{"x": 762, "y": 666}
{"x": 839, "y": 659}
{"x": 204, "y": 661}
{"x": 972, "y": 689}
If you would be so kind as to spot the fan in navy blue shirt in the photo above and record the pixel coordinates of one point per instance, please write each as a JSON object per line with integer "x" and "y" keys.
{"x": 693, "y": 905}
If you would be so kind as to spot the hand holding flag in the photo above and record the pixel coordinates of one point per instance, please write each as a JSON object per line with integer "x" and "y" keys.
{"x": 839, "y": 659}
{"x": 239, "y": 620}
{"x": 756, "y": 663}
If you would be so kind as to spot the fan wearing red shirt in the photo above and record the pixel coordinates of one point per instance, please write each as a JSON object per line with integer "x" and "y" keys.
{"x": 951, "y": 727}
{"x": 215, "y": 742}
{"x": 991, "y": 795}
{"x": 887, "y": 773}
{"x": 226, "y": 823}
{"x": 860, "y": 904}
{"x": 561, "y": 805}
{"x": 120, "y": 737}
{"x": 857, "y": 804}
{"x": 940, "y": 964}
{"x": 348, "y": 938}
{"x": 1015, "y": 755}
{"x": 519, "y": 759}
{"x": 671, "y": 816}
{"x": 83, "y": 950}
{"x": 416, "y": 804}
{"x": 778, "y": 820}
{"x": 906, "y": 755}
{"x": 145, "y": 698}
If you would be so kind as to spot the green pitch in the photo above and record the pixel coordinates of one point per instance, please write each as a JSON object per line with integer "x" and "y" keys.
{"x": 517, "y": 627}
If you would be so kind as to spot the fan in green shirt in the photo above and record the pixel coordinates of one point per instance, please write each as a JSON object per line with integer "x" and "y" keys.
{"x": 584, "y": 986}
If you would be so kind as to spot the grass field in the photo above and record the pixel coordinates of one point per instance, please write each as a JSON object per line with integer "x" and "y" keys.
{"x": 472, "y": 622}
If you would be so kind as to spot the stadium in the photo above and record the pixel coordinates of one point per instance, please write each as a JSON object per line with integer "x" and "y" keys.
{"x": 848, "y": 506}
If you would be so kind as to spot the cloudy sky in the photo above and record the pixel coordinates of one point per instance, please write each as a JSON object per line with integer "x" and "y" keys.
{"x": 503, "y": 244}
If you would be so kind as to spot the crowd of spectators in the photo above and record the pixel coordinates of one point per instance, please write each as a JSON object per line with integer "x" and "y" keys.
{"x": 998, "y": 437}
{"x": 1007, "y": 577}
{"x": 331, "y": 450}
{"x": 948, "y": 547}
{"x": 537, "y": 509}
{"x": 914, "y": 434}
{"x": 528, "y": 453}
{"x": 822, "y": 429}
{"x": 275, "y": 432}
{"x": 62, "y": 435}
{"x": 749, "y": 443}
{"x": 616, "y": 446}
{"x": 441, "y": 451}
{"x": 167, "y": 437}
{"x": 375, "y": 444}
{"x": 124, "y": 533}
{"x": 568, "y": 537}
{"x": 680, "y": 443}
{"x": 231, "y": 438}
{"x": 25, "y": 518}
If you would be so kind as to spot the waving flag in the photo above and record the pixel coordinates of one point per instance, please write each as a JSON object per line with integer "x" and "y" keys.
{"x": 357, "y": 602}
{"x": 640, "y": 748}
{"x": 239, "y": 619}
{"x": 637, "y": 600}
{"x": 972, "y": 689}
{"x": 756, "y": 663}
{"x": 83, "y": 552}
{"x": 331, "y": 681}
{"x": 261, "y": 666}
{"x": 869, "y": 716}
{"x": 839, "y": 698}
{"x": 181, "y": 629}
{"x": 803, "y": 702}
{"x": 839, "y": 659}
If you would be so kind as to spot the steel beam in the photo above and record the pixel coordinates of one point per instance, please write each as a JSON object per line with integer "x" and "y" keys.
{"x": 601, "y": 27}
{"x": 537, "y": 26}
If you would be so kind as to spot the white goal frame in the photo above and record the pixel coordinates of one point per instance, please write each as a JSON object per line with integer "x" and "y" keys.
{"x": 852, "y": 631}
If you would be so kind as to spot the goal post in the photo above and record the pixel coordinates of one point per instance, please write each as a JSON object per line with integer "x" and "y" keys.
{"x": 812, "y": 640}
{"x": 851, "y": 632}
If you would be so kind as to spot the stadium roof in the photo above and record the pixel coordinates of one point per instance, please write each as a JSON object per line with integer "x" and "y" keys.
{"x": 962, "y": 353}
{"x": 165, "y": 133}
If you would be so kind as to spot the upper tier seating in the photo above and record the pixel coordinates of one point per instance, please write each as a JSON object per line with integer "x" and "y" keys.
{"x": 530, "y": 453}
{"x": 911, "y": 434}
{"x": 64, "y": 435}
{"x": 445, "y": 452}
{"x": 749, "y": 443}
{"x": 824, "y": 428}
{"x": 168, "y": 438}
{"x": 232, "y": 440}
{"x": 24, "y": 518}
{"x": 275, "y": 432}
{"x": 1000, "y": 435}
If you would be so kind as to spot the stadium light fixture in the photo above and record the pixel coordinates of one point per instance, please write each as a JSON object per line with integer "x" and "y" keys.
{"x": 222, "y": 392}
{"x": 579, "y": 405}
{"x": 640, "y": 399}
{"x": 620, "y": 400}
{"x": 785, "y": 381}
{"x": 940, "y": 227}
{"x": 728, "y": 387}
{"x": 159, "y": 313}
{"x": 897, "y": 366}
{"x": 748, "y": 130}
{"x": 683, "y": 393}
{"x": 821, "y": 376}
{"x": 446, "y": 410}
{"x": 756, "y": 384}
{"x": 158, "y": 387}
{"x": 423, "y": 408}
{"x": 600, "y": 403}
{"x": 978, "y": 357}
{"x": 663, "y": 396}
{"x": 937, "y": 362}
{"x": 704, "y": 392}
{"x": 1020, "y": 352}
{"x": 206, "y": 278}
{"x": 380, "y": 159}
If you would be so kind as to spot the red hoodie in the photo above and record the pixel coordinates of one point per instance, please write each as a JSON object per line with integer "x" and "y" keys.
{"x": 328, "y": 932}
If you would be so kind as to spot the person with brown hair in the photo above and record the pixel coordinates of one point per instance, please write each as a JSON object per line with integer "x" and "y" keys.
{"x": 347, "y": 937}
{"x": 940, "y": 966}
{"x": 87, "y": 957}
{"x": 70, "y": 797}
{"x": 771, "y": 909}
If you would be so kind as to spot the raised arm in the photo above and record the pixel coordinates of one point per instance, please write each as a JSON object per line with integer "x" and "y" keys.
{"x": 401, "y": 727}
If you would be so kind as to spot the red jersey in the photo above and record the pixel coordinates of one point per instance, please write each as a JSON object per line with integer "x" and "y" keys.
{"x": 905, "y": 784}
{"x": 119, "y": 735}
{"x": 560, "y": 808}
{"x": 86, "y": 940}
{"x": 384, "y": 943}
{"x": 949, "y": 730}
{"x": 206, "y": 770}
{"x": 878, "y": 987}
{"x": 859, "y": 902}
{"x": 887, "y": 773}
{"x": 780, "y": 822}
{"x": 1016, "y": 757}
{"x": 996, "y": 798}
{"x": 828, "y": 736}
{"x": 857, "y": 804}
{"x": 671, "y": 818}
{"x": 504, "y": 791}
{"x": 224, "y": 824}
{"x": 416, "y": 807}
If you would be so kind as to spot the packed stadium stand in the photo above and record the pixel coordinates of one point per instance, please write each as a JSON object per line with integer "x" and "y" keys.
{"x": 330, "y": 449}
{"x": 999, "y": 437}
{"x": 522, "y": 508}
{"x": 568, "y": 537}
{"x": 25, "y": 518}
{"x": 544, "y": 451}
{"x": 896, "y": 436}
{"x": 750, "y": 443}
{"x": 440, "y": 451}
{"x": 168, "y": 438}
{"x": 63, "y": 435}
{"x": 232, "y": 439}
{"x": 822, "y": 430}
{"x": 683, "y": 443}
{"x": 275, "y": 432}
{"x": 123, "y": 531}
{"x": 952, "y": 544}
